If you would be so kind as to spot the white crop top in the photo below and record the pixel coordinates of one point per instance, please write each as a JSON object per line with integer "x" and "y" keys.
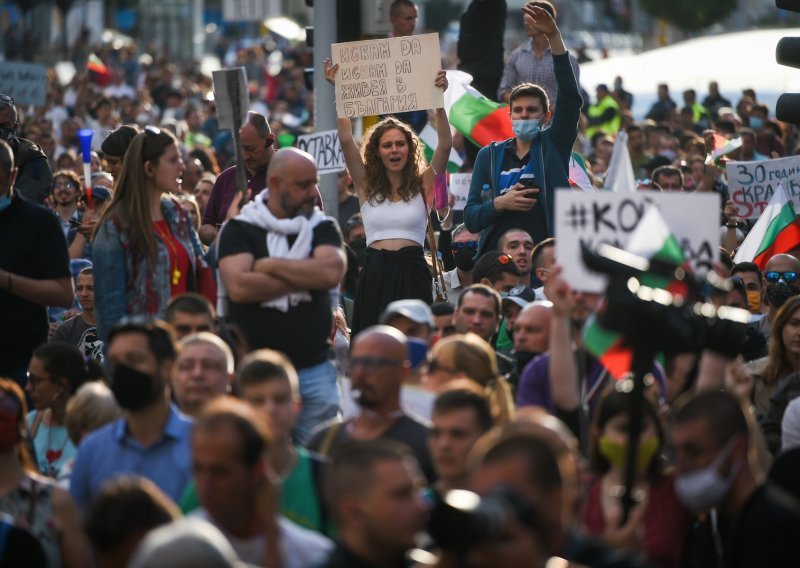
{"x": 395, "y": 220}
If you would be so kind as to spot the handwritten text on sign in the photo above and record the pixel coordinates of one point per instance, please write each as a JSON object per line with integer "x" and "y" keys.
{"x": 385, "y": 76}
{"x": 325, "y": 148}
{"x": 607, "y": 217}
{"x": 459, "y": 188}
{"x": 25, "y": 82}
{"x": 751, "y": 184}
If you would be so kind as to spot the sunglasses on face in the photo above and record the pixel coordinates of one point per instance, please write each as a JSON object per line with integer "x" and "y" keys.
{"x": 774, "y": 277}
{"x": 473, "y": 245}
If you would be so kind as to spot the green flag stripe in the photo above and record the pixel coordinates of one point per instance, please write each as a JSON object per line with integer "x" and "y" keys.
{"x": 786, "y": 217}
{"x": 467, "y": 111}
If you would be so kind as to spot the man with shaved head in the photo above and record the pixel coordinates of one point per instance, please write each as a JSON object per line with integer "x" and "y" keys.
{"x": 781, "y": 282}
{"x": 278, "y": 260}
{"x": 531, "y": 333}
{"x": 377, "y": 367}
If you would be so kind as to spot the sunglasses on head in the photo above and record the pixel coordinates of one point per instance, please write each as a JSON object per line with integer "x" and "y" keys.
{"x": 504, "y": 259}
{"x": 773, "y": 277}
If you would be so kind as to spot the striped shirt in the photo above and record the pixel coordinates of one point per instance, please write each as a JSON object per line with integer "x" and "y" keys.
{"x": 524, "y": 66}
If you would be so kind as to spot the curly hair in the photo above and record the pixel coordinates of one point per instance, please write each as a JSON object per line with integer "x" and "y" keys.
{"x": 378, "y": 186}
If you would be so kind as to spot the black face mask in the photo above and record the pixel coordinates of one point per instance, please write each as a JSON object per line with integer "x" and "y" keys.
{"x": 777, "y": 294}
{"x": 133, "y": 389}
{"x": 8, "y": 134}
{"x": 464, "y": 259}
{"x": 359, "y": 247}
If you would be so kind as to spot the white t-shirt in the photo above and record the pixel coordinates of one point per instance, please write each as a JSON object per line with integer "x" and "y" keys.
{"x": 300, "y": 547}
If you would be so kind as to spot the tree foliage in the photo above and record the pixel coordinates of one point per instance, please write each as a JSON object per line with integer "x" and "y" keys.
{"x": 690, "y": 15}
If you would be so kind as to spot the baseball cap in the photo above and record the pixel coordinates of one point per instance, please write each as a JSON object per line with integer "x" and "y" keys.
{"x": 415, "y": 310}
{"x": 520, "y": 295}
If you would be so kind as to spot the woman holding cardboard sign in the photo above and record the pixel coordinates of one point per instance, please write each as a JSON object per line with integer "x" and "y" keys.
{"x": 395, "y": 188}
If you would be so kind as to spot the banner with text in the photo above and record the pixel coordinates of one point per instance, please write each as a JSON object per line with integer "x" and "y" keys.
{"x": 459, "y": 188}
{"x": 25, "y": 82}
{"x": 751, "y": 184}
{"x": 387, "y": 76}
{"x": 325, "y": 148}
{"x": 593, "y": 218}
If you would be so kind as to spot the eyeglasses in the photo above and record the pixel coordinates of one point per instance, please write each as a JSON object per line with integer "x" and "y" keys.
{"x": 371, "y": 363}
{"x": 473, "y": 245}
{"x": 64, "y": 185}
{"x": 774, "y": 277}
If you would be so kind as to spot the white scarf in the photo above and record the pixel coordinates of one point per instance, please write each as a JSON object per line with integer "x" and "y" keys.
{"x": 258, "y": 214}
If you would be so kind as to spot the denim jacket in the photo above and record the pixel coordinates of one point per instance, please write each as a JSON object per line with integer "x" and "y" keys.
{"x": 127, "y": 286}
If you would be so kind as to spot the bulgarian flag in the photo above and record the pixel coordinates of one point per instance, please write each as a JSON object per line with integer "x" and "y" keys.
{"x": 776, "y": 231}
{"x": 653, "y": 240}
{"x": 430, "y": 138}
{"x": 578, "y": 174}
{"x": 98, "y": 72}
{"x": 481, "y": 120}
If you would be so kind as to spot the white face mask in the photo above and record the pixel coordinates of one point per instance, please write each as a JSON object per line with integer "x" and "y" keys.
{"x": 705, "y": 488}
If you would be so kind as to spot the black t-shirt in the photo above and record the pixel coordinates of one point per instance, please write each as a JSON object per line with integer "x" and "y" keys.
{"x": 406, "y": 429}
{"x": 32, "y": 245}
{"x": 303, "y": 332}
{"x": 765, "y": 532}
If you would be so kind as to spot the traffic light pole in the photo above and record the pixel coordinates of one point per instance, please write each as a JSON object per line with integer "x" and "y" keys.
{"x": 324, "y": 109}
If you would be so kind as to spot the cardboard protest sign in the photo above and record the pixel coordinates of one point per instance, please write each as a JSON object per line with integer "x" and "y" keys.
{"x": 25, "y": 82}
{"x": 386, "y": 76}
{"x": 459, "y": 188}
{"x": 325, "y": 148}
{"x": 751, "y": 184}
{"x": 593, "y": 218}
{"x": 230, "y": 95}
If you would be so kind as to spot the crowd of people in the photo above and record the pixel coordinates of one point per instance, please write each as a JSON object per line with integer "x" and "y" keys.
{"x": 197, "y": 375}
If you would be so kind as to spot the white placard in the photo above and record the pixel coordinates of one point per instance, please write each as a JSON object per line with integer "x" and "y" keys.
{"x": 230, "y": 95}
{"x": 25, "y": 82}
{"x": 459, "y": 188}
{"x": 608, "y": 217}
{"x": 325, "y": 148}
{"x": 387, "y": 76}
{"x": 751, "y": 184}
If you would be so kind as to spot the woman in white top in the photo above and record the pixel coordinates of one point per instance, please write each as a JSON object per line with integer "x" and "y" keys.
{"x": 395, "y": 187}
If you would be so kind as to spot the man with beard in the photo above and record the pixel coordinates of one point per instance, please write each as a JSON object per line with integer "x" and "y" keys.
{"x": 780, "y": 283}
{"x": 377, "y": 367}
{"x": 81, "y": 330}
{"x": 152, "y": 438}
{"x": 278, "y": 261}
{"x": 518, "y": 244}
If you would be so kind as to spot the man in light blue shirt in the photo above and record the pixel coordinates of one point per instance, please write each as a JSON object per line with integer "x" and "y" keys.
{"x": 152, "y": 439}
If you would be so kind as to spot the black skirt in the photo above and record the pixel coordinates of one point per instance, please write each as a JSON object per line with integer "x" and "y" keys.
{"x": 389, "y": 275}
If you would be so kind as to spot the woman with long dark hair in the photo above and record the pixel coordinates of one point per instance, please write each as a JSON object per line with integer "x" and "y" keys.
{"x": 395, "y": 188}
{"x": 35, "y": 502}
{"x": 146, "y": 249}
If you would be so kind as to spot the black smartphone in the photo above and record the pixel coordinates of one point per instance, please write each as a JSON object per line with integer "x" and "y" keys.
{"x": 529, "y": 183}
{"x": 75, "y": 222}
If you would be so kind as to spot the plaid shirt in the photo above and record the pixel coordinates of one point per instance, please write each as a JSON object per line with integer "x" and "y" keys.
{"x": 524, "y": 67}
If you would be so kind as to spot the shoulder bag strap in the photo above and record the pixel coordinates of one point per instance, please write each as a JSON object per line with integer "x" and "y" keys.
{"x": 438, "y": 277}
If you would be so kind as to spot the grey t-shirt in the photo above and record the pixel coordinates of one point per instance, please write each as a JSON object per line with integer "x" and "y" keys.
{"x": 82, "y": 335}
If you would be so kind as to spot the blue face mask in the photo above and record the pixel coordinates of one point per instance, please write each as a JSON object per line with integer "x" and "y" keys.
{"x": 756, "y": 123}
{"x": 417, "y": 351}
{"x": 526, "y": 129}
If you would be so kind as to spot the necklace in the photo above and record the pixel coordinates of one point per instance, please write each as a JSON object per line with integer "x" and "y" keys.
{"x": 167, "y": 238}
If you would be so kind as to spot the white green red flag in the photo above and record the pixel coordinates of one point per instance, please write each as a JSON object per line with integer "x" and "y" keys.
{"x": 776, "y": 231}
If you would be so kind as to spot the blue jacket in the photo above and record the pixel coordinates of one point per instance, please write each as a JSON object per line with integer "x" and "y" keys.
{"x": 550, "y": 155}
{"x": 125, "y": 286}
